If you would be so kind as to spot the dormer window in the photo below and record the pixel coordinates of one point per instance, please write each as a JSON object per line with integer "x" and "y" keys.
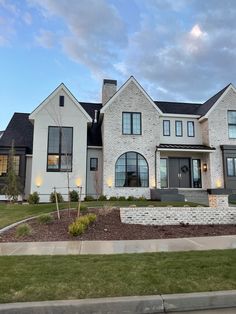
{"x": 61, "y": 101}
{"x": 131, "y": 123}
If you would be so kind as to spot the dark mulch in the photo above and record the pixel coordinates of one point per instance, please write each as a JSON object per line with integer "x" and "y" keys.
{"x": 109, "y": 227}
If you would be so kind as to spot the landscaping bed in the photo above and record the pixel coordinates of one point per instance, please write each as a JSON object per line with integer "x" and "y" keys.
{"x": 109, "y": 227}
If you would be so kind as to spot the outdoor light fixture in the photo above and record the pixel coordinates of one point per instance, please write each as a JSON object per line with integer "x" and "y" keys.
{"x": 109, "y": 182}
{"x": 78, "y": 182}
{"x": 204, "y": 167}
{"x": 218, "y": 183}
{"x": 38, "y": 181}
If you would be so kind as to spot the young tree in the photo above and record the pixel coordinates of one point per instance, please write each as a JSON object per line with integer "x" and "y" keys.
{"x": 13, "y": 186}
{"x": 97, "y": 183}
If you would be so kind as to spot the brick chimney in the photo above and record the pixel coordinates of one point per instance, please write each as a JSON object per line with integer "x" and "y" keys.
{"x": 108, "y": 90}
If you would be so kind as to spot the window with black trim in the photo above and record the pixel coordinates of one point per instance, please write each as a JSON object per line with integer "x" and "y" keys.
{"x": 232, "y": 124}
{"x": 231, "y": 166}
{"x": 93, "y": 164}
{"x": 178, "y": 128}
{"x": 61, "y": 101}
{"x": 190, "y": 129}
{"x": 131, "y": 123}
{"x": 60, "y": 145}
{"x": 131, "y": 170}
{"x": 166, "y": 127}
{"x": 4, "y": 159}
{"x": 164, "y": 172}
{"x": 196, "y": 175}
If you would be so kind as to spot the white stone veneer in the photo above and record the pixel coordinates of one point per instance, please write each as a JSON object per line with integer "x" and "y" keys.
{"x": 176, "y": 215}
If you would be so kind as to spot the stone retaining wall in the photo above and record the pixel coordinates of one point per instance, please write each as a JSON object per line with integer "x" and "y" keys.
{"x": 176, "y": 215}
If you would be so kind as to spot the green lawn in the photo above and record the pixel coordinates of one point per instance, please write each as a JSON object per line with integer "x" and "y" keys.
{"x": 34, "y": 278}
{"x": 10, "y": 213}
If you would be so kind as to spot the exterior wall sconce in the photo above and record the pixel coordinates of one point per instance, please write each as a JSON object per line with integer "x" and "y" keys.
{"x": 38, "y": 181}
{"x": 109, "y": 182}
{"x": 218, "y": 183}
{"x": 78, "y": 182}
{"x": 204, "y": 167}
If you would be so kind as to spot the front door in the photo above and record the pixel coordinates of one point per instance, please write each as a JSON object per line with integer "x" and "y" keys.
{"x": 179, "y": 173}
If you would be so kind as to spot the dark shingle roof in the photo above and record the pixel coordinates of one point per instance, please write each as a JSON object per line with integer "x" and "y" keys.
{"x": 177, "y": 107}
{"x": 206, "y": 106}
{"x": 185, "y": 146}
{"x": 91, "y": 107}
{"x": 19, "y": 129}
{"x": 94, "y": 130}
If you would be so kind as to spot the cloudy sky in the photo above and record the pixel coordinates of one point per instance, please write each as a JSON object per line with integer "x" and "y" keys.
{"x": 183, "y": 50}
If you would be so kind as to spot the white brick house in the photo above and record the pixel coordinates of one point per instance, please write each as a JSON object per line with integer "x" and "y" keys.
{"x": 128, "y": 144}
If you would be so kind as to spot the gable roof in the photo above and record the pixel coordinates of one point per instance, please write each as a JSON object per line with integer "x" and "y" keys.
{"x": 207, "y": 105}
{"x": 177, "y": 107}
{"x": 131, "y": 79}
{"x": 19, "y": 129}
{"x": 69, "y": 94}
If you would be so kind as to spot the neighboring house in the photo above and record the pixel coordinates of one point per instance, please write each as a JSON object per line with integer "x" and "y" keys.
{"x": 19, "y": 132}
{"x": 129, "y": 144}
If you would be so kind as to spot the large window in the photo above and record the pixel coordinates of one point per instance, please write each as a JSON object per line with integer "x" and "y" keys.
{"x": 131, "y": 170}
{"x": 190, "y": 129}
{"x": 59, "y": 148}
{"x": 197, "y": 182}
{"x": 231, "y": 167}
{"x": 166, "y": 127}
{"x": 178, "y": 128}
{"x": 164, "y": 173}
{"x": 131, "y": 123}
{"x": 232, "y": 124}
{"x": 4, "y": 165}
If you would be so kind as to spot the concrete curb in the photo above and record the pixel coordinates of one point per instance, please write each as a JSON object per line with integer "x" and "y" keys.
{"x": 128, "y": 305}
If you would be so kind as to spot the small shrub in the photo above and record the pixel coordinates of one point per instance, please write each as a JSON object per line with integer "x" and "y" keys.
{"x": 122, "y": 198}
{"x": 113, "y": 198}
{"x": 76, "y": 228}
{"x": 88, "y": 198}
{"x": 81, "y": 224}
{"x": 92, "y": 217}
{"x": 53, "y": 198}
{"x": 102, "y": 198}
{"x": 142, "y": 198}
{"x": 23, "y": 230}
{"x": 131, "y": 198}
{"x": 74, "y": 196}
{"x": 45, "y": 219}
{"x": 105, "y": 210}
{"x": 33, "y": 198}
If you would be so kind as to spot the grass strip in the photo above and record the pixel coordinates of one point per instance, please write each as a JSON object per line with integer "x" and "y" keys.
{"x": 38, "y": 278}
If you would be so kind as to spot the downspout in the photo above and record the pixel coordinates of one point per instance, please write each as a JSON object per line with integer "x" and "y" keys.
{"x": 156, "y": 168}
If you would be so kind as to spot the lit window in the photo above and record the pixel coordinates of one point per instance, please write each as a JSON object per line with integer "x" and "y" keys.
{"x": 4, "y": 159}
{"x": 59, "y": 148}
{"x": 166, "y": 127}
{"x": 93, "y": 164}
{"x": 131, "y": 123}
{"x": 190, "y": 128}
{"x": 232, "y": 124}
{"x": 178, "y": 128}
{"x": 131, "y": 170}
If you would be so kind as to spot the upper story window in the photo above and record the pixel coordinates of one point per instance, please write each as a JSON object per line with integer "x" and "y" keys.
{"x": 166, "y": 127}
{"x": 178, "y": 128}
{"x": 61, "y": 101}
{"x": 232, "y": 124}
{"x": 231, "y": 167}
{"x": 4, "y": 159}
{"x": 59, "y": 148}
{"x": 131, "y": 123}
{"x": 93, "y": 164}
{"x": 190, "y": 129}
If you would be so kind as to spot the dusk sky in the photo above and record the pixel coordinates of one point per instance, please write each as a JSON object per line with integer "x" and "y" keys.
{"x": 180, "y": 50}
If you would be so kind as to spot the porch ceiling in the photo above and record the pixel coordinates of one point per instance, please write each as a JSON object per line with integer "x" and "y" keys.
{"x": 186, "y": 148}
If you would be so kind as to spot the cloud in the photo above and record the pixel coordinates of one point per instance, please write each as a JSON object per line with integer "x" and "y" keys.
{"x": 183, "y": 52}
{"x": 94, "y": 34}
{"x": 27, "y": 18}
{"x": 45, "y": 39}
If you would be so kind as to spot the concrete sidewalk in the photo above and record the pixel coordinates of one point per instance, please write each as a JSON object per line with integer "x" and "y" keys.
{"x": 164, "y": 303}
{"x": 118, "y": 247}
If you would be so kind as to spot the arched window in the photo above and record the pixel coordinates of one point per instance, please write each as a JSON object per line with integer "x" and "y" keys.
{"x": 131, "y": 170}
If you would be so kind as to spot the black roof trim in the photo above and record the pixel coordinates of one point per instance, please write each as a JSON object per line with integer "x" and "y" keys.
{"x": 185, "y": 146}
